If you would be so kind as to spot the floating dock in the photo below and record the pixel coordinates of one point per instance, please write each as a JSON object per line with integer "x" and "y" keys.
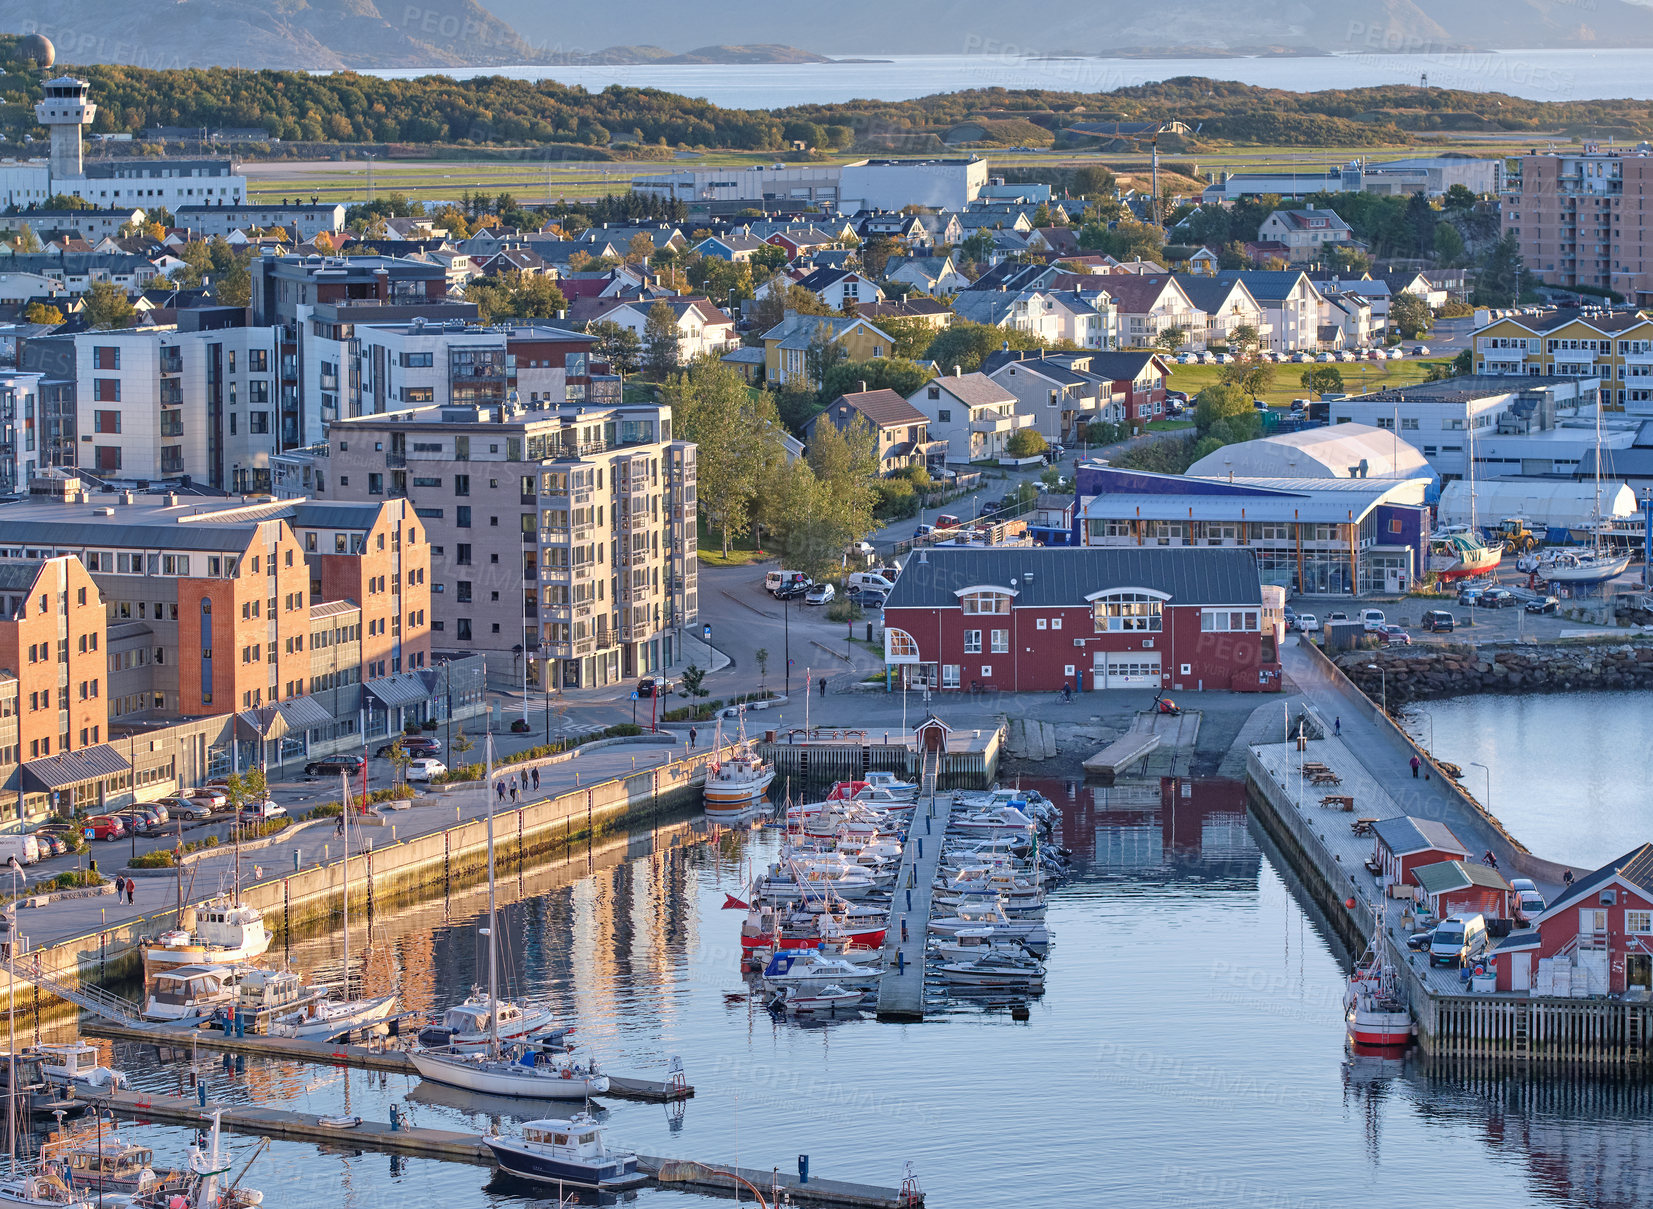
{"x": 901, "y": 990}
{"x": 970, "y": 760}
{"x": 326, "y": 1053}
{"x": 457, "y": 1147}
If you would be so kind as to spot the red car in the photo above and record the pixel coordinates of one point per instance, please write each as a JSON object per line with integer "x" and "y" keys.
{"x": 105, "y": 827}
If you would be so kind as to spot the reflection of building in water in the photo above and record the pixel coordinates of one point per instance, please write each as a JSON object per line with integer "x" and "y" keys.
{"x": 1178, "y": 827}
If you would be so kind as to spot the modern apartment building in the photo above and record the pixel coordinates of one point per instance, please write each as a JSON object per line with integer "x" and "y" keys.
{"x": 420, "y": 363}
{"x": 1582, "y": 219}
{"x": 195, "y": 406}
{"x": 22, "y": 430}
{"x": 567, "y": 535}
{"x": 52, "y": 638}
{"x": 1613, "y": 346}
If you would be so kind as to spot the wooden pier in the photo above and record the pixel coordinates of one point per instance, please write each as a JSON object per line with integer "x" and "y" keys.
{"x": 387, "y": 1059}
{"x": 901, "y": 990}
{"x": 457, "y": 1147}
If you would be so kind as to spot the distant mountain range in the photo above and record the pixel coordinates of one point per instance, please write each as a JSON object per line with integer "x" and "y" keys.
{"x": 1103, "y": 27}
{"x": 332, "y": 34}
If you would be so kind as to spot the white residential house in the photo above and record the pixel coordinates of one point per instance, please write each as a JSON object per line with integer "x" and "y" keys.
{"x": 835, "y": 287}
{"x": 1228, "y": 306}
{"x": 1058, "y": 392}
{"x": 1149, "y": 305}
{"x": 934, "y": 275}
{"x": 1033, "y": 311}
{"x": 1306, "y": 233}
{"x": 972, "y": 413}
{"x": 1291, "y": 305}
{"x": 702, "y": 329}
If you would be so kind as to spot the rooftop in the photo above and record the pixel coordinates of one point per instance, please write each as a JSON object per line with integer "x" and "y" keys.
{"x": 1465, "y": 389}
{"x": 1059, "y": 576}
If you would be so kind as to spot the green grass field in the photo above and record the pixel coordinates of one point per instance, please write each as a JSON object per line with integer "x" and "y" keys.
{"x": 1358, "y": 378}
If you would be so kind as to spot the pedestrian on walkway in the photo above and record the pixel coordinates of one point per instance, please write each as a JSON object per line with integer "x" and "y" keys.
{"x": 1416, "y": 764}
{"x": 339, "y": 830}
{"x": 513, "y": 793}
{"x": 131, "y": 891}
{"x": 694, "y": 737}
{"x": 1337, "y": 727}
{"x": 823, "y": 686}
{"x": 536, "y": 779}
{"x": 499, "y": 788}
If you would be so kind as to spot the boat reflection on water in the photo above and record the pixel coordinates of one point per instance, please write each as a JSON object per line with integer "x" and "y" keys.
{"x": 495, "y": 1109}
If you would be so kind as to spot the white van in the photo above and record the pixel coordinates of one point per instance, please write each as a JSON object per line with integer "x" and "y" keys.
{"x": 869, "y": 579}
{"x": 776, "y": 580}
{"x": 24, "y": 847}
{"x": 1374, "y": 620}
{"x": 1458, "y": 940}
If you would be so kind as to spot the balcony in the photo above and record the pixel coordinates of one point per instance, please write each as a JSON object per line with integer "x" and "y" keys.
{"x": 1007, "y": 424}
{"x": 396, "y": 461}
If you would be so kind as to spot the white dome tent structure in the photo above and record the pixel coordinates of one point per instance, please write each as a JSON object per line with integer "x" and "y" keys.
{"x": 1343, "y": 451}
{"x": 1555, "y": 505}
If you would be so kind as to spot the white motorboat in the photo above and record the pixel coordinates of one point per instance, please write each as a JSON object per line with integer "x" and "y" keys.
{"x": 812, "y": 881}
{"x": 80, "y": 1063}
{"x": 967, "y": 944}
{"x": 809, "y": 968}
{"x": 997, "y": 819}
{"x": 221, "y": 932}
{"x": 532, "y": 1075}
{"x": 192, "y": 993}
{"x": 325, "y": 1018}
{"x": 1031, "y": 932}
{"x": 263, "y": 994}
{"x": 829, "y": 999}
{"x": 571, "y": 1152}
{"x": 502, "y": 1069}
{"x": 985, "y": 882}
{"x": 40, "y": 1190}
{"x": 997, "y": 970}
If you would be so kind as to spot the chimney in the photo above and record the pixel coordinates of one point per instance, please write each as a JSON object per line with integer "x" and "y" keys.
{"x": 958, "y": 372}
{"x": 861, "y": 387}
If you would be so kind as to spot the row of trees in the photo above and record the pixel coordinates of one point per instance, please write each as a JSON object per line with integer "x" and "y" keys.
{"x": 810, "y": 509}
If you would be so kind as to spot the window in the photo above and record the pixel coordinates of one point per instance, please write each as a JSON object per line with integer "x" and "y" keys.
{"x": 106, "y": 421}
{"x": 375, "y": 484}
{"x": 1228, "y": 621}
{"x": 985, "y": 602}
{"x": 949, "y": 675}
{"x": 258, "y": 422}
{"x": 461, "y": 484}
{"x": 464, "y": 629}
{"x": 1127, "y": 610}
{"x": 972, "y": 642}
{"x": 943, "y": 415}
{"x": 106, "y": 357}
{"x": 462, "y": 516}
{"x": 463, "y": 591}
{"x": 1638, "y": 922}
{"x": 1001, "y": 642}
{"x": 900, "y": 644}
{"x": 462, "y": 554}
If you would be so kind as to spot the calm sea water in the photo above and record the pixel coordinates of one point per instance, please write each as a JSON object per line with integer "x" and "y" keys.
{"x": 1545, "y": 75}
{"x": 1189, "y": 1050}
{"x": 1569, "y": 771}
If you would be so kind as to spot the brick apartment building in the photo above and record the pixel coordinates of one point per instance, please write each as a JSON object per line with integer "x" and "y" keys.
{"x": 52, "y": 638}
{"x": 1582, "y": 219}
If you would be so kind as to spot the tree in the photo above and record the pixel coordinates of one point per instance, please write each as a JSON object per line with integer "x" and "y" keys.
{"x": 875, "y": 255}
{"x": 1026, "y": 443}
{"x": 693, "y": 678}
{"x": 1216, "y": 403}
{"x": 1421, "y": 221}
{"x": 39, "y": 312}
{"x": 462, "y": 744}
{"x": 1449, "y": 244}
{"x": 1093, "y": 180}
{"x": 106, "y": 305}
{"x": 712, "y": 407}
{"x": 881, "y": 373}
{"x": 1173, "y": 338}
{"x": 1245, "y": 339}
{"x": 966, "y": 345}
{"x": 1459, "y": 197}
{"x": 1322, "y": 379}
{"x": 783, "y": 296}
{"x": 761, "y": 658}
{"x": 1348, "y": 261}
{"x": 977, "y": 247}
{"x": 1410, "y": 315}
{"x": 399, "y": 759}
{"x": 26, "y": 240}
{"x": 233, "y": 286}
{"x": 620, "y": 346}
{"x": 1250, "y": 375}
{"x": 639, "y": 249}
{"x": 661, "y": 340}
{"x": 1501, "y": 280}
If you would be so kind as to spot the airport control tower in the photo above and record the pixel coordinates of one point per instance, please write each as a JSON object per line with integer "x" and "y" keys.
{"x": 64, "y": 110}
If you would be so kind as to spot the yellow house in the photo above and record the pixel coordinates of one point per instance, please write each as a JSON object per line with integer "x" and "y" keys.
{"x": 1615, "y": 346}
{"x": 786, "y": 345}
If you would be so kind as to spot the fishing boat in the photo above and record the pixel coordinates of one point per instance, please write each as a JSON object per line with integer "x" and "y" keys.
{"x": 1460, "y": 553}
{"x": 503, "y": 1069}
{"x": 1374, "y": 1007}
{"x": 808, "y": 1001}
{"x": 192, "y": 993}
{"x": 765, "y": 927}
{"x": 79, "y": 1063}
{"x": 221, "y": 932}
{"x": 94, "y": 1155}
{"x": 738, "y": 780}
{"x": 572, "y": 1152}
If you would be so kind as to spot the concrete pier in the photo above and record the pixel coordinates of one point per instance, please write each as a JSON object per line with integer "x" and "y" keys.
{"x": 901, "y": 990}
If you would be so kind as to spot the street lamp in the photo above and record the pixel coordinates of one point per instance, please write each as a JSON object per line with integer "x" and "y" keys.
{"x": 1488, "y": 771}
{"x": 1372, "y": 667}
{"x": 786, "y": 611}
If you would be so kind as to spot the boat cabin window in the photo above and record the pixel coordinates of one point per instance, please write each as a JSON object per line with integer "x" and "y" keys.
{"x": 586, "y": 1138}
{"x": 561, "y": 1139}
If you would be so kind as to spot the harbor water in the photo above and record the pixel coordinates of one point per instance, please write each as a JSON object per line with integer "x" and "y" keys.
{"x": 1189, "y": 1049}
{"x": 1568, "y": 771}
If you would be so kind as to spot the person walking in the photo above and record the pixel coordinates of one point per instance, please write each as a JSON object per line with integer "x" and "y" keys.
{"x": 131, "y": 892}
{"x": 1416, "y": 764}
{"x": 536, "y": 779}
{"x": 823, "y": 686}
{"x": 499, "y": 788}
{"x": 1337, "y": 727}
{"x": 513, "y": 793}
{"x": 694, "y": 738}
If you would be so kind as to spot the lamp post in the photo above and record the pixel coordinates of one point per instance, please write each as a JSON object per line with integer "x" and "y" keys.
{"x": 786, "y": 612}
{"x": 1488, "y": 771}
{"x": 1372, "y": 667}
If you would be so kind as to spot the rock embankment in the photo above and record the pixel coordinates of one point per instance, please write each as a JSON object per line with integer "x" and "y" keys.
{"x": 1460, "y": 671}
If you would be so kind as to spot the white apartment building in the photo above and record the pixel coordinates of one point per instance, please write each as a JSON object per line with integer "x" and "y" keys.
{"x": 168, "y": 404}
{"x": 974, "y": 414}
{"x": 21, "y": 430}
{"x": 1292, "y": 306}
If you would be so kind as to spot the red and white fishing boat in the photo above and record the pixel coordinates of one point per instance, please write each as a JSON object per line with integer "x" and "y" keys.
{"x": 1373, "y": 1004}
{"x": 767, "y": 928}
{"x": 738, "y": 782}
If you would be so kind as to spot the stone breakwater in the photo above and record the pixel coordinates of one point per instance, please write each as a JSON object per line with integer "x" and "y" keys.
{"x": 1461, "y": 671}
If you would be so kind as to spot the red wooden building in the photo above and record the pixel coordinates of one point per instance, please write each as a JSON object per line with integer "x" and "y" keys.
{"x": 1031, "y": 619}
{"x": 1600, "y": 928}
{"x": 1463, "y": 888}
{"x": 1404, "y": 843}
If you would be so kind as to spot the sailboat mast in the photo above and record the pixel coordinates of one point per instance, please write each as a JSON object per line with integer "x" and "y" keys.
{"x": 493, "y": 946}
{"x": 344, "y": 823}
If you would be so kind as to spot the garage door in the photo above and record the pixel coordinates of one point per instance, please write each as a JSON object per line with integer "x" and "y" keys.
{"x": 1130, "y": 669}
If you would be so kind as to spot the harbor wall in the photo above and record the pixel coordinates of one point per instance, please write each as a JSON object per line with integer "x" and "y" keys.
{"x": 970, "y": 762}
{"x": 397, "y": 869}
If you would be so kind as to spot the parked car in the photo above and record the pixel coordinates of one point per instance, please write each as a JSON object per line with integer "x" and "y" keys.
{"x": 1496, "y": 598}
{"x": 860, "y": 550}
{"x": 867, "y": 598}
{"x": 50, "y": 844}
{"x": 413, "y": 745}
{"x": 1374, "y": 620}
{"x": 183, "y": 808}
{"x": 260, "y": 812}
{"x": 1528, "y": 901}
{"x": 105, "y": 827}
{"x": 1458, "y": 940}
{"x": 332, "y": 766}
{"x": 425, "y": 769}
{"x": 654, "y": 686}
{"x": 1420, "y": 350}
{"x": 1468, "y": 596}
{"x": 1418, "y": 942}
{"x": 1395, "y": 636}
{"x": 1545, "y": 604}
{"x": 820, "y": 594}
{"x": 777, "y": 579}
{"x": 1338, "y": 616}
{"x": 793, "y": 591}
{"x": 1438, "y": 621}
{"x": 144, "y": 816}
{"x": 1307, "y": 623}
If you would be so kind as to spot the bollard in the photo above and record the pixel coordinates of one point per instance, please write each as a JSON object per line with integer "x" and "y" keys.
{"x": 926, "y": 825}
{"x": 921, "y": 848}
{"x": 803, "y": 1169}
{"x": 900, "y": 966}
{"x": 909, "y": 900}
{"x": 903, "y": 931}
{"x": 395, "y": 1120}
{"x": 295, "y": 860}
{"x": 201, "y": 1093}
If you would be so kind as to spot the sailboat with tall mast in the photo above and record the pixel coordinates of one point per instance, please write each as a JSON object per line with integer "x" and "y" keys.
{"x": 1598, "y": 564}
{"x": 1460, "y": 551}
{"x": 504, "y": 1067}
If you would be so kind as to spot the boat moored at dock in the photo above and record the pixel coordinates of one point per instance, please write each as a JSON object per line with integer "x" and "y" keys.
{"x": 572, "y": 1152}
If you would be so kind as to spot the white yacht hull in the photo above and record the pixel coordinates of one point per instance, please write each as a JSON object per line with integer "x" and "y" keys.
{"x": 1595, "y": 571}
{"x": 506, "y": 1079}
{"x": 335, "y": 1019}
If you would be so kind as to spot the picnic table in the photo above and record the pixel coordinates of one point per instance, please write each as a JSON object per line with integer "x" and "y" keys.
{"x": 1338, "y": 801}
{"x": 1362, "y": 826}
